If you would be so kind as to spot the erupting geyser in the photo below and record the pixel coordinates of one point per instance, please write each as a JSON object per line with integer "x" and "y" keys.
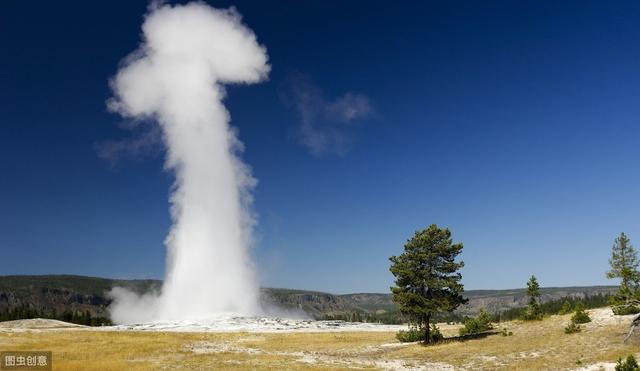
{"x": 175, "y": 77}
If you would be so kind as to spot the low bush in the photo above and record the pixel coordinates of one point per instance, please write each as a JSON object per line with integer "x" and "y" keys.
{"x": 566, "y": 308}
{"x": 625, "y": 309}
{"x": 572, "y": 328}
{"x": 532, "y": 315}
{"x": 436, "y": 335}
{"x": 411, "y": 335}
{"x": 629, "y": 364}
{"x": 580, "y": 316}
{"x": 478, "y": 324}
{"x": 504, "y": 332}
{"x": 417, "y": 334}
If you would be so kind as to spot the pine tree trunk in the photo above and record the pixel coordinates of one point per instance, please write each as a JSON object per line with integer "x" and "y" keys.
{"x": 427, "y": 329}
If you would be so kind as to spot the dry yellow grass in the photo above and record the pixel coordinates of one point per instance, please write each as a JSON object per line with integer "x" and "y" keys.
{"x": 534, "y": 345}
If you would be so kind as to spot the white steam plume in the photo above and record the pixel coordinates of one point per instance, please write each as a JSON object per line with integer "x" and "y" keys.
{"x": 175, "y": 78}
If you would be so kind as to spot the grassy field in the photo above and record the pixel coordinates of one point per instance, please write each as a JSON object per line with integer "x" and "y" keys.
{"x": 534, "y": 345}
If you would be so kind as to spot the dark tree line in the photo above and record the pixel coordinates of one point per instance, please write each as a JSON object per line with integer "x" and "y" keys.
{"x": 547, "y": 308}
{"x": 555, "y": 306}
{"x": 388, "y": 318}
{"x": 77, "y": 317}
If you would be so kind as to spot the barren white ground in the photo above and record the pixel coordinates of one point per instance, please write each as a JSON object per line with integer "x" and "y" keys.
{"x": 230, "y": 323}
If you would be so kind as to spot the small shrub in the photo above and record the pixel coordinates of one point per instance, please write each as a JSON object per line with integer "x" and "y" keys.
{"x": 572, "y": 328}
{"x": 630, "y": 364}
{"x": 417, "y": 334}
{"x": 410, "y": 336}
{"x": 504, "y": 332}
{"x": 471, "y": 326}
{"x": 530, "y": 314}
{"x": 622, "y": 310}
{"x": 580, "y": 317}
{"x": 566, "y": 308}
{"x": 436, "y": 335}
{"x": 476, "y": 325}
{"x": 485, "y": 318}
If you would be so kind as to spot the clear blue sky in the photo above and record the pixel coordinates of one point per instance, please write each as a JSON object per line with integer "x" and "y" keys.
{"x": 514, "y": 123}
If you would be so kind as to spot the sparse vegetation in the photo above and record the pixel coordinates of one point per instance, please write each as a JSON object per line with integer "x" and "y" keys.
{"x": 506, "y": 332}
{"x": 572, "y": 328}
{"x": 427, "y": 278}
{"x": 554, "y": 306}
{"x": 579, "y": 317}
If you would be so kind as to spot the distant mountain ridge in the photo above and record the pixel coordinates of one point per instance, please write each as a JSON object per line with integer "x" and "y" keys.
{"x": 58, "y": 293}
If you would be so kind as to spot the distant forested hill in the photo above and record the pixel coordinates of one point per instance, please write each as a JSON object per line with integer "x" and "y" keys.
{"x": 57, "y": 295}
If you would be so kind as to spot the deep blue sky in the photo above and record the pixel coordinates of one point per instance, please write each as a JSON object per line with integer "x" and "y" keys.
{"x": 514, "y": 123}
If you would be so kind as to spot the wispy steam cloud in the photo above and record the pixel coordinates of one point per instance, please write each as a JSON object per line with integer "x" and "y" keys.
{"x": 326, "y": 126}
{"x": 145, "y": 140}
{"x": 176, "y": 78}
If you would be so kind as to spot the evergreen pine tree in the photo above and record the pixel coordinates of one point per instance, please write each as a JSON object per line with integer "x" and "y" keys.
{"x": 533, "y": 308}
{"x": 624, "y": 265}
{"x": 427, "y": 278}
